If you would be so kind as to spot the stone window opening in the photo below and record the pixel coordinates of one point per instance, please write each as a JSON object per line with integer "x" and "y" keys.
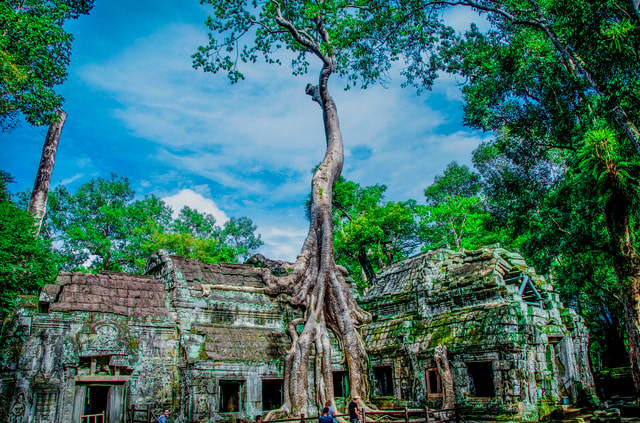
{"x": 481, "y": 382}
{"x": 383, "y": 380}
{"x": 340, "y": 384}
{"x": 529, "y": 293}
{"x": 231, "y": 396}
{"x": 271, "y": 394}
{"x": 43, "y": 307}
{"x": 434, "y": 383}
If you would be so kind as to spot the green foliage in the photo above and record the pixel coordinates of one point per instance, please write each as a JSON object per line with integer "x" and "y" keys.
{"x": 34, "y": 55}
{"x": 455, "y": 216}
{"x": 360, "y": 34}
{"x": 239, "y": 234}
{"x": 456, "y": 181}
{"x": 101, "y": 226}
{"x": 26, "y": 262}
{"x": 368, "y": 233}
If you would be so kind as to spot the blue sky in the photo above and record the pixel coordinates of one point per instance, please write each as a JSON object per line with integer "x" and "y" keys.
{"x": 137, "y": 108}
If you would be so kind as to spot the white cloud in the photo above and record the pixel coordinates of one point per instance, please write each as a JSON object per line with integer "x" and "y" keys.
{"x": 194, "y": 200}
{"x": 283, "y": 242}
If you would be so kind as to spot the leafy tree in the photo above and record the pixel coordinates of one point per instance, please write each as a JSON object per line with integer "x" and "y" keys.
{"x": 556, "y": 135}
{"x": 455, "y": 181}
{"x": 26, "y": 261}
{"x": 370, "y": 234}
{"x": 339, "y": 35}
{"x": 102, "y": 227}
{"x": 239, "y": 234}
{"x": 34, "y": 55}
{"x": 456, "y": 216}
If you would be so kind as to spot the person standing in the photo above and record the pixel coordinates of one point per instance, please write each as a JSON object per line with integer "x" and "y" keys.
{"x": 325, "y": 417}
{"x": 332, "y": 412}
{"x": 164, "y": 417}
{"x": 354, "y": 413}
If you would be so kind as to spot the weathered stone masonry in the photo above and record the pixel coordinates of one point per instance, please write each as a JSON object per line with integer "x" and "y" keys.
{"x": 184, "y": 338}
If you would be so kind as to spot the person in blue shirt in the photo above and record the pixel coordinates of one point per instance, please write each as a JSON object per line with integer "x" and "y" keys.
{"x": 325, "y": 417}
{"x": 164, "y": 417}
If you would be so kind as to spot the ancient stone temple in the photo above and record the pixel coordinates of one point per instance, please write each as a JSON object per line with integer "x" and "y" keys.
{"x": 479, "y": 330}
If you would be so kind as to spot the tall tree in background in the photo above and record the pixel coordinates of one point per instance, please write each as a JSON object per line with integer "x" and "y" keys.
{"x": 101, "y": 226}
{"x": 39, "y": 194}
{"x": 336, "y": 34}
{"x": 34, "y": 55}
{"x": 26, "y": 261}
{"x": 370, "y": 234}
{"x": 455, "y": 216}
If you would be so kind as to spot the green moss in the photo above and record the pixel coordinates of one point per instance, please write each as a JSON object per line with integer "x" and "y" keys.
{"x": 133, "y": 344}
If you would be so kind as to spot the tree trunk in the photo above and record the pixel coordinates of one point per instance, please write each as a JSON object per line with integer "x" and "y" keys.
{"x": 38, "y": 202}
{"x": 442, "y": 363}
{"x": 367, "y": 267}
{"x": 317, "y": 284}
{"x": 626, "y": 264}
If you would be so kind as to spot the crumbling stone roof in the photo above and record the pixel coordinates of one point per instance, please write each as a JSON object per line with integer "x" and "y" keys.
{"x": 217, "y": 273}
{"x": 106, "y": 292}
{"x": 466, "y": 299}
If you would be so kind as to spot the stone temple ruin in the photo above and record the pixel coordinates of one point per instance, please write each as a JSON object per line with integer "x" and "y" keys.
{"x": 175, "y": 338}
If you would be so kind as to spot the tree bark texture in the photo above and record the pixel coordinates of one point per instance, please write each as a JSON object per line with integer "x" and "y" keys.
{"x": 38, "y": 203}
{"x": 626, "y": 264}
{"x": 442, "y": 364}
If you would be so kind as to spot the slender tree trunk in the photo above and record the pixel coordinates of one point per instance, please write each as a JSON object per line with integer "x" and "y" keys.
{"x": 38, "y": 202}
{"x": 366, "y": 266}
{"x": 626, "y": 264}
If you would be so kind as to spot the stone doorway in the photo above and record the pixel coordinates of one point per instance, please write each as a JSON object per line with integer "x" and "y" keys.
{"x": 97, "y": 398}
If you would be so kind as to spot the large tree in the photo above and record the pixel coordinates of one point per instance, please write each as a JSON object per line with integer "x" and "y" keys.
{"x": 456, "y": 215}
{"x": 333, "y": 32}
{"x": 102, "y": 226}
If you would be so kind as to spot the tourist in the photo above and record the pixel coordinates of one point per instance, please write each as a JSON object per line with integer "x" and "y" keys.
{"x": 354, "y": 413}
{"x": 332, "y": 412}
{"x": 325, "y": 417}
{"x": 164, "y": 417}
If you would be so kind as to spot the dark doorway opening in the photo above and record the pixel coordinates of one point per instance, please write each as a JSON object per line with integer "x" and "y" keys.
{"x": 383, "y": 378}
{"x": 230, "y": 398}
{"x": 340, "y": 387}
{"x": 97, "y": 396}
{"x": 481, "y": 375}
{"x": 271, "y": 394}
{"x": 434, "y": 383}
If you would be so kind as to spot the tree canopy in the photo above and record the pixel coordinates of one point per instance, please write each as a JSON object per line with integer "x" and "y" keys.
{"x": 34, "y": 54}
{"x": 102, "y": 226}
